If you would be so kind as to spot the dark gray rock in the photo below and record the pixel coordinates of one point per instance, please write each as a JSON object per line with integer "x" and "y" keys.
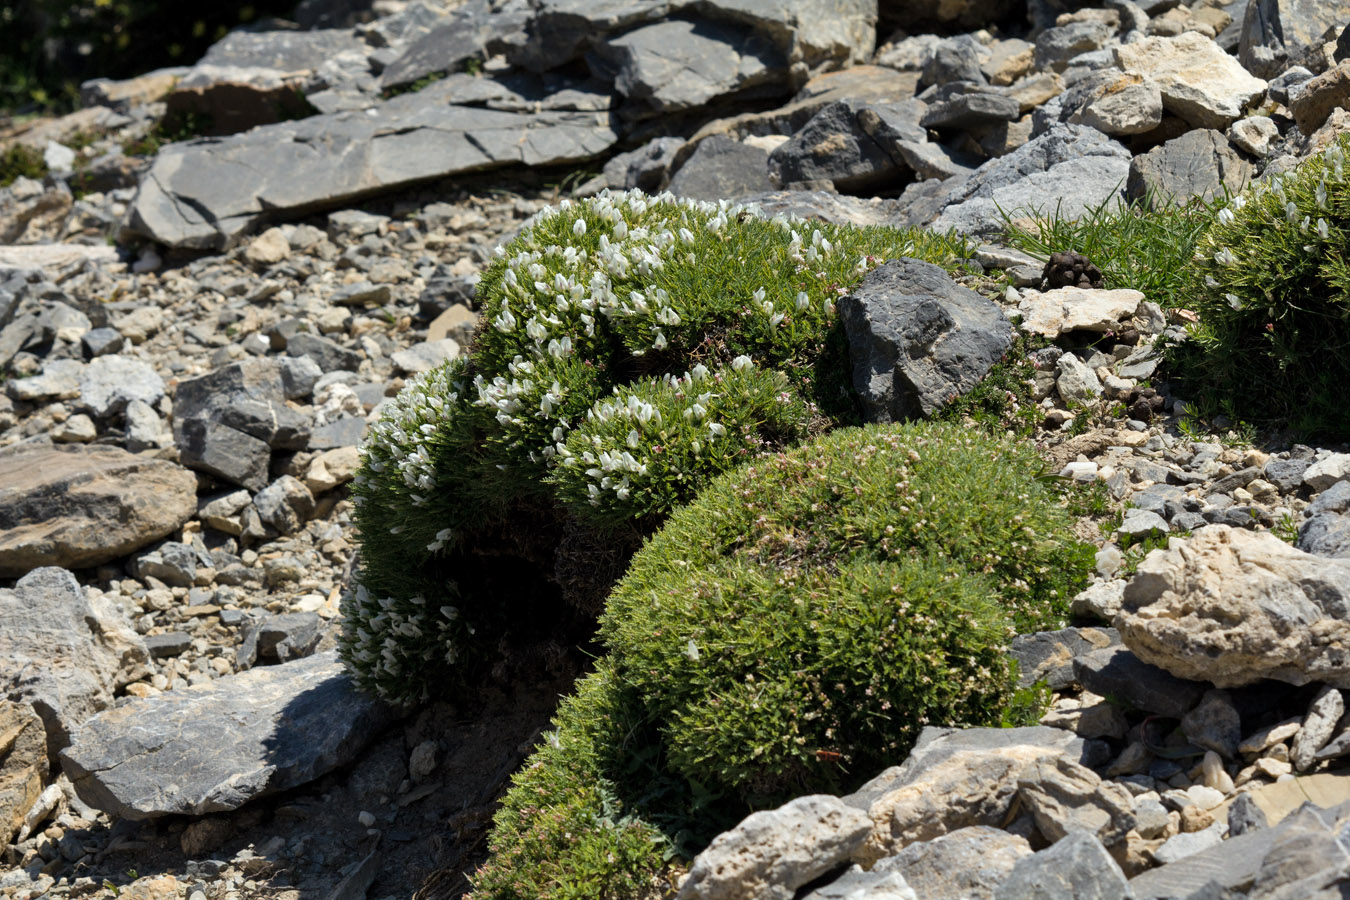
{"x": 833, "y": 147}
{"x": 1284, "y": 84}
{"x": 172, "y": 562}
{"x": 171, "y": 643}
{"x": 1335, "y": 499}
{"x": 953, "y": 60}
{"x": 102, "y": 341}
{"x": 675, "y": 66}
{"x": 1280, "y": 32}
{"x": 646, "y": 168}
{"x": 215, "y": 748}
{"x": 289, "y": 636}
{"x": 285, "y": 504}
{"x": 78, "y": 506}
{"x": 474, "y": 31}
{"x": 918, "y": 340}
{"x": 966, "y": 111}
{"x": 1077, "y": 866}
{"x": 722, "y": 169}
{"x": 1049, "y": 655}
{"x": 330, "y": 356}
{"x": 1056, "y": 46}
{"x": 284, "y": 51}
{"x": 1200, "y": 163}
{"x": 968, "y": 863}
{"x": 1244, "y": 815}
{"x": 299, "y": 374}
{"x": 1070, "y": 167}
{"x": 858, "y": 882}
{"x": 345, "y": 432}
{"x": 207, "y": 194}
{"x": 1117, "y": 673}
{"x": 1327, "y": 534}
{"x": 61, "y": 650}
{"x": 223, "y": 452}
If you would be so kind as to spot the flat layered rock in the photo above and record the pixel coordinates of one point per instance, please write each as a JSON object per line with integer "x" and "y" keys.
{"x": 1063, "y": 310}
{"x": 1198, "y": 80}
{"x": 78, "y": 506}
{"x": 216, "y": 747}
{"x": 207, "y": 194}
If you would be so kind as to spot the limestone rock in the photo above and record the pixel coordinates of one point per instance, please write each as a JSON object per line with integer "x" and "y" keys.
{"x": 217, "y": 747}
{"x": 1062, "y": 310}
{"x": 1200, "y": 163}
{"x": 1276, "y": 33}
{"x": 79, "y": 506}
{"x": 61, "y": 649}
{"x": 722, "y": 169}
{"x": 858, "y": 882}
{"x": 833, "y": 146}
{"x": 772, "y": 853}
{"x": 23, "y": 764}
{"x": 1119, "y": 673}
{"x": 1077, "y": 866}
{"x": 1231, "y": 607}
{"x": 969, "y": 862}
{"x": 918, "y": 340}
{"x": 1312, "y": 101}
{"x": 1065, "y": 797}
{"x": 1199, "y": 81}
{"x": 1131, "y": 104}
{"x": 109, "y": 383}
{"x": 1318, "y": 727}
{"x": 1049, "y": 655}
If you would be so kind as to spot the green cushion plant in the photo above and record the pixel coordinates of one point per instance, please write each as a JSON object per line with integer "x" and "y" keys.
{"x": 790, "y": 630}
{"x": 1270, "y": 286}
{"x": 632, "y": 349}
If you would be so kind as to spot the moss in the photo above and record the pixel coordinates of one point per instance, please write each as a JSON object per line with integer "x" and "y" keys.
{"x": 20, "y": 161}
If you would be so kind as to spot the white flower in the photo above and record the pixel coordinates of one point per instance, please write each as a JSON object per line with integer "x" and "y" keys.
{"x": 741, "y": 363}
{"x": 1225, "y": 257}
{"x": 802, "y": 301}
{"x": 1321, "y": 195}
{"x": 691, "y": 650}
{"x": 716, "y": 429}
{"x": 1323, "y": 230}
{"x": 579, "y": 229}
{"x": 1233, "y": 300}
{"x": 633, "y": 438}
{"x": 699, "y": 372}
{"x": 1226, "y": 216}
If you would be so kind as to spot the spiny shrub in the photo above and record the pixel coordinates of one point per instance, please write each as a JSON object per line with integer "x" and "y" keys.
{"x": 1271, "y": 290}
{"x": 633, "y": 348}
{"x": 791, "y": 630}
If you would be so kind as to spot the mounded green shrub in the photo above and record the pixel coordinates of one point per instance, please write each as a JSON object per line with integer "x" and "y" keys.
{"x": 791, "y": 630}
{"x": 1271, "y": 290}
{"x": 633, "y": 348}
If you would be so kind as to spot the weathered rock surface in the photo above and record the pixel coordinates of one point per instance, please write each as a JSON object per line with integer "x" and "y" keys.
{"x": 1118, "y": 672}
{"x": 1277, "y": 32}
{"x": 1059, "y": 311}
{"x": 1200, "y": 163}
{"x": 772, "y": 853}
{"x": 1313, "y": 101}
{"x": 1232, "y": 607}
{"x": 722, "y": 169}
{"x": 61, "y": 650}
{"x": 1199, "y": 81}
{"x": 79, "y": 506}
{"x": 1077, "y": 866}
{"x": 918, "y": 340}
{"x": 968, "y": 863}
{"x": 207, "y": 194}
{"x": 833, "y": 146}
{"x": 23, "y": 764}
{"x": 215, "y": 748}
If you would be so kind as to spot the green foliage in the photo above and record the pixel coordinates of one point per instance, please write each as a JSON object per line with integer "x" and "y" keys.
{"x": 790, "y": 630}
{"x": 181, "y": 127}
{"x": 467, "y": 485}
{"x": 20, "y": 161}
{"x": 1270, "y": 283}
{"x": 837, "y": 598}
{"x": 1146, "y": 246}
{"x": 1002, "y": 401}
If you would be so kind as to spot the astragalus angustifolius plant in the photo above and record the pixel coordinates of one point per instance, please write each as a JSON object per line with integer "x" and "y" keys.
{"x": 632, "y": 348}
{"x": 1271, "y": 290}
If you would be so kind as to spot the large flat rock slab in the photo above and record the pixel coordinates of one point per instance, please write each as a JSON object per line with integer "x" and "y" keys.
{"x": 78, "y": 506}
{"x": 206, "y": 194}
{"x": 215, "y": 747}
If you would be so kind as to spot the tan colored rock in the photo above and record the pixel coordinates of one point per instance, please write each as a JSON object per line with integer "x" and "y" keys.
{"x": 1064, "y": 796}
{"x": 141, "y": 324}
{"x": 458, "y": 322}
{"x": 268, "y": 248}
{"x": 1312, "y": 102}
{"x": 77, "y": 506}
{"x": 1067, "y": 309}
{"x": 1009, "y": 60}
{"x": 1232, "y": 607}
{"x": 1035, "y": 89}
{"x": 332, "y": 468}
{"x": 1199, "y": 81}
{"x": 23, "y": 764}
{"x": 1194, "y": 819}
{"x": 1132, "y": 104}
{"x": 1269, "y": 736}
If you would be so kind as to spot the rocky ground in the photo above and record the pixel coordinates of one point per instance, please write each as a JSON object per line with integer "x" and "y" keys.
{"x": 195, "y": 336}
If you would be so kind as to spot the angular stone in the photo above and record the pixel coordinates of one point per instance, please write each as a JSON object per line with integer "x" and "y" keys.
{"x": 1276, "y": 33}
{"x": 1199, "y": 81}
{"x": 1232, "y": 607}
{"x": 286, "y": 725}
{"x": 1254, "y": 134}
{"x": 224, "y": 452}
{"x": 1326, "y": 534}
{"x": 968, "y": 863}
{"x": 1064, "y": 797}
{"x": 80, "y": 506}
{"x": 23, "y": 764}
{"x": 1214, "y": 724}
{"x": 474, "y": 31}
{"x": 330, "y": 356}
{"x": 424, "y": 356}
{"x": 1200, "y": 163}
{"x": 1116, "y": 672}
{"x": 833, "y": 147}
{"x": 1318, "y": 727}
{"x": 1049, "y": 655}
{"x": 1312, "y": 101}
{"x": 60, "y": 380}
{"x": 1324, "y": 473}
{"x": 1076, "y": 382}
{"x": 61, "y": 650}
{"x": 1056, "y": 46}
{"x": 918, "y": 340}
{"x": 248, "y": 396}
{"x": 1062, "y": 310}
{"x": 1129, "y": 104}
{"x": 1071, "y": 168}
{"x": 285, "y": 504}
{"x": 208, "y": 194}
{"x": 1141, "y": 523}
{"x": 1102, "y": 599}
{"x": 858, "y": 882}
{"x": 722, "y": 169}
{"x": 1077, "y": 866}
{"x": 646, "y": 168}
{"x": 966, "y": 111}
{"x": 109, "y": 383}
{"x": 772, "y": 853}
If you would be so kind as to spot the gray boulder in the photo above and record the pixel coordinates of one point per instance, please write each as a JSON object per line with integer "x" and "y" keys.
{"x": 1116, "y": 672}
{"x": 1071, "y": 168}
{"x": 1200, "y": 163}
{"x": 918, "y": 340}
{"x": 474, "y": 31}
{"x": 1276, "y": 33}
{"x": 109, "y": 383}
{"x": 1325, "y": 534}
{"x": 78, "y": 506}
{"x": 207, "y": 194}
{"x": 1077, "y": 866}
{"x": 1049, "y": 655}
{"x": 215, "y": 748}
{"x": 968, "y": 863}
{"x": 833, "y": 146}
{"x": 646, "y": 168}
{"x": 722, "y": 169}
{"x": 61, "y": 650}
{"x": 971, "y": 110}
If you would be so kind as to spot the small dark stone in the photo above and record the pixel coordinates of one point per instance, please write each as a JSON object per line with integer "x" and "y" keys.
{"x": 1071, "y": 269}
{"x": 162, "y": 646}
